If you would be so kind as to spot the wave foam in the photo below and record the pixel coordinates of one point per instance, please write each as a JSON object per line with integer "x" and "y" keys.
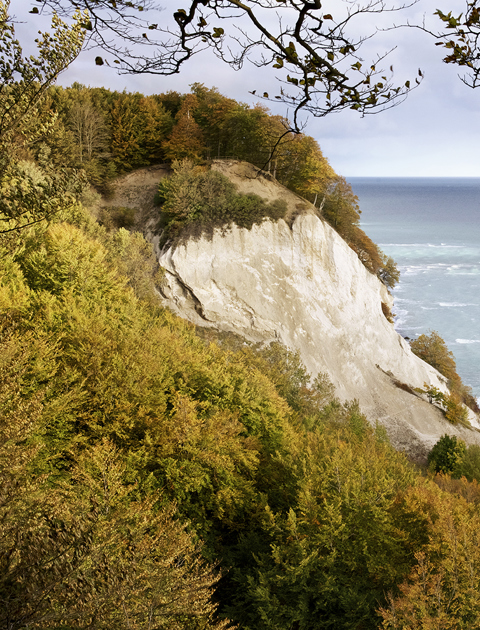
{"x": 455, "y": 304}
{"x": 460, "y": 269}
{"x": 467, "y": 340}
{"x": 441, "y": 246}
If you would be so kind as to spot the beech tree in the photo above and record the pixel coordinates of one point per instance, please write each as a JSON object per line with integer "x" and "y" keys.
{"x": 89, "y": 131}
{"x": 433, "y": 350}
{"x": 23, "y": 85}
{"x": 24, "y": 81}
{"x": 442, "y": 592}
{"x": 186, "y": 139}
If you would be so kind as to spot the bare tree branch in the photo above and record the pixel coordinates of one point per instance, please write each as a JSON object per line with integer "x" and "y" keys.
{"x": 316, "y": 56}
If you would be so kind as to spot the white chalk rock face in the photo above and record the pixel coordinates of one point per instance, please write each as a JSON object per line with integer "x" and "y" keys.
{"x": 303, "y": 286}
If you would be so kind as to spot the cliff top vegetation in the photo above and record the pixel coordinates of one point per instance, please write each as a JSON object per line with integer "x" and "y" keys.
{"x": 99, "y": 135}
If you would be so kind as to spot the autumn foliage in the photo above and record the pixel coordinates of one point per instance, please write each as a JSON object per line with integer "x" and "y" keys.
{"x": 156, "y": 476}
{"x": 433, "y": 350}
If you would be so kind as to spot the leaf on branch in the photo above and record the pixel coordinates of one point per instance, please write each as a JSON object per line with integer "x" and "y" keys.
{"x": 442, "y": 16}
{"x": 98, "y": 61}
{"x": 217, "y": 32}
{"x": 265, "y": 95}
{"x": 328, "y": 17}
{"x": 407, "y": 84}
{"x": 330, "y": 55}
{"x": 34, "y": 10}
{"x": 152, "y": 27}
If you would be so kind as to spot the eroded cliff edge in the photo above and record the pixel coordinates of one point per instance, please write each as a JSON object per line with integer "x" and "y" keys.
{"x": 302, "y": 285}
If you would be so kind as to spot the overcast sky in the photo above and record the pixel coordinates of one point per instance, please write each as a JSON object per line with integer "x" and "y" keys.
{"x": 435, "y": 132}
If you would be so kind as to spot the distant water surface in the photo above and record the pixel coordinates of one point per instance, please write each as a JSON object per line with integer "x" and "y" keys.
{"x": 431, "y": 227}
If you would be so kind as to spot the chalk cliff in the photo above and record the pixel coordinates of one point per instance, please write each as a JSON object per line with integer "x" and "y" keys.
{"x": 300, "y": 283}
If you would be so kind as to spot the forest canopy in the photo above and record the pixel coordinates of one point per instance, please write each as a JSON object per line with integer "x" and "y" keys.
{"x": 151, "y": 475}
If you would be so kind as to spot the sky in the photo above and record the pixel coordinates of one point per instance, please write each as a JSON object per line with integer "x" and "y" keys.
{"x": 434, "y": 133}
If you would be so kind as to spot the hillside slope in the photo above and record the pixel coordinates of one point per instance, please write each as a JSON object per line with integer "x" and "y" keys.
{"x": 299, "y": 283}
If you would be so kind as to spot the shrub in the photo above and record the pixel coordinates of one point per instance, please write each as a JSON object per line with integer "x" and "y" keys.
{"x": 117, "y": 217}
{"x": 433, "y": 350}
{"x": 455, "y": 411}
{"x": 447, "y": 454}
{"x": 388, "y": 273}
{"x": 196, "y": 201}
{"x": 387, "y": 312}
{"x": 451, "y": 405}
{"x": 470, "y": 466}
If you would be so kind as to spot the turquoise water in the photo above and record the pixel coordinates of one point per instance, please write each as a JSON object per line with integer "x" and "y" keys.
{"x": 431, "y": 227}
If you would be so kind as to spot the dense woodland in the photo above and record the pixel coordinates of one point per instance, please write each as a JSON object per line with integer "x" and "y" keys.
{"x": 156, "y": 477}
{"x": 103, "y": 134}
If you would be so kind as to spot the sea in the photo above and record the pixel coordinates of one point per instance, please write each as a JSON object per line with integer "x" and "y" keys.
{"x": 431, "y": 228}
